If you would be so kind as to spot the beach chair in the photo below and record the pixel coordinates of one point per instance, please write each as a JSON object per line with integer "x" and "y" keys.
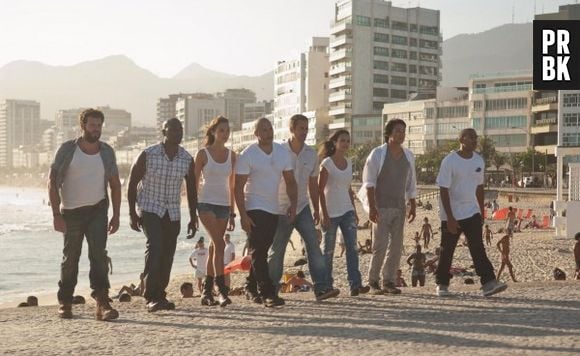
{"x": 520, "y": 213}
{"x": 500, "y": 214}
{"x": 529, "y": 215}
{"x": 545, "y": 222}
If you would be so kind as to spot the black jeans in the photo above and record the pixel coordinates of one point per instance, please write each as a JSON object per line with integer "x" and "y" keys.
{"x": 471, "y": 227}
{"x": 90, "y": 221}
{"x": 161, "y": 236}
{"x": 260, "y": 240}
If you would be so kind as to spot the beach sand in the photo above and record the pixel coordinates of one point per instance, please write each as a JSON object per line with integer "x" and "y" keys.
{"x": 535, "y": 316}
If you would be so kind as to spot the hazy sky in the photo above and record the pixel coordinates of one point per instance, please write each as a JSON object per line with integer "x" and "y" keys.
{"x": 233, "y": 36}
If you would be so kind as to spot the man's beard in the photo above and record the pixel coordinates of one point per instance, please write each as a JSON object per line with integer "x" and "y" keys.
{"x": 90, "y": 138}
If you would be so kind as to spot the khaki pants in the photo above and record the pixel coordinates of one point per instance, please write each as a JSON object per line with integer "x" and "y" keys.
{"x": 388, "y": 240}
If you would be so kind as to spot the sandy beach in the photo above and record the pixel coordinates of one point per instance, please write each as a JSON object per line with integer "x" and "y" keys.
{"x": 535, "y": 316}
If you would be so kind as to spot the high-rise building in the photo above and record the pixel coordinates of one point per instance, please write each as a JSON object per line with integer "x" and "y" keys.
{"x": 166, "y": 108}
{"x": 197, "y": 110}
{"x": 380, "y": 54}
{"x": 234, "y": 105}
{"x": 254, "y": 111}
{"x": 565, "y": 12}
{"x": 68, "y": 126}
{"x": 19, "y": 126}
{"x": 301, "y": 85}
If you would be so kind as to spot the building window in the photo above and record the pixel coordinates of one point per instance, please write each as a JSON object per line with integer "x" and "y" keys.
{"x": 398, "y": 53}
{"x": 413, "y": 42}
{"x": 427, "y": 70}
{"x": 398, "y": 94}
{"x": 401, "y": 26}
{"x": 383, "y": 23}
{"x": 509, "y": 140}
{"x": 572, "y": 119}
{"x": 412, "y": 68}
{"x": 451, "y": 112}
{"x": 506, "y": 104}
{"x": 378, "y": 105}
{"x": 571, "y": 100}
{"x": 428, "y": 57}
{"x": 381, "y": 51}
{"x": 571, "y": 139}
{"x": 362, "y": 20}
{"x": 400, "y": 40}
{"x": 399, "y": 67}
{"x": 429, "y": 44}
{"x": 413, "y": 28}
{"x": 412, "y": 55}
{"x": 429, "y": 30}
{"x": 477, "y": 105}
{"x": 381, "y": 92}
{"x": 412, "y": 82}
{"x": 381, "y": 78}
{"x": 505, "y": 122}
{"x": 381, "y": 65}
{"x": 476, "y": 123}
{"x": 381, "y": 37}
{"x": 398, "y": 80}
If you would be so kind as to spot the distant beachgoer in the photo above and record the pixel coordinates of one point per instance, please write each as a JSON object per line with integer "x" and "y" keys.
{"x": 366, "y": 248}
{"x": 78, "y": 179}
{"x": 109, "y": 263}
{"x": 461, "y": 180}
{"x": 488, "y": 234}
{"x": 577, "y": 255}
{"x": 389, "y": 185}
{"x": 510, "y": 221}
{"x": 431, "y": 264}
{"x": 31, "y": 301}
{"x": 198, "y": 260}
{"x": 298, "y": 283}
{"x": 399, "y": 280}
{"x": 229, "y": 256}
{"x": 426, "y": 232}
{"x": 503, "y": 245}
{"x": 495, "y": 206}
{"x": 340, "y": 240}
{"x": 559, "y": 275}
{"x": 428, "y": 206}
{"x": 186, "y": 290}
{"x": 417, "y": 238}
{"x": 417, "y": 260}
{"x": 132, "y": 290}
{"x": 158, "y": 198}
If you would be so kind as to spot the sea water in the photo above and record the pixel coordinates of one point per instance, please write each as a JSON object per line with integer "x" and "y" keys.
{"x": 31, "y": 251}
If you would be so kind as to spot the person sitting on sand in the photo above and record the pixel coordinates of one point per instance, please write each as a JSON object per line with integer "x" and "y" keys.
{"x": 400, "y": 281}
{"x": 503, "y": 246}
{"x": 428, "y": 206}
{"x": 426, "y": 232}
{"x": 559, "y": 275}
{"x": 31, "y": 301}
{"x": 132, "y": 290}
{"x": 417, "y": 238}
{"x": 488, "y": 234}
{"x": 577, "y": 255}
{"x": 298, "y": 283}
{"x": 186, "y": 290}
{"x": 431, "y": 264}
{"x": 366, "y": 248}
{"x": 417, "y": 260}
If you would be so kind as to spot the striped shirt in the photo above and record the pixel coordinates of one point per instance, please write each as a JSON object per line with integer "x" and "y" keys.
{"x": 160, "y": 189}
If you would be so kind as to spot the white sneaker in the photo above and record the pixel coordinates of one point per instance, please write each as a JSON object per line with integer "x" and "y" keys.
{"x": 443, "y": 290}
{"x": 493, "y": 287}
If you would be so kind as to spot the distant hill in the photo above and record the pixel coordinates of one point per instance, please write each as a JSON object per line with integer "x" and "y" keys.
{"x": 503, "y": 48}
{"x": 115, "y": 81}
{"x": 118, "y": 82}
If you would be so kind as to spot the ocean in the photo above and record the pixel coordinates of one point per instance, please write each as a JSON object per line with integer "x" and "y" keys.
{"x": 31, "y": 251}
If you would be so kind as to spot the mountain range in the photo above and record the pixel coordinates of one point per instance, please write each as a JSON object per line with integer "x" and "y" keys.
{"x": 120, "y": 83}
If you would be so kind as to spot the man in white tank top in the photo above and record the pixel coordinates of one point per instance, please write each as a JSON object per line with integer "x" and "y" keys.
{"x": 79, "y": 176}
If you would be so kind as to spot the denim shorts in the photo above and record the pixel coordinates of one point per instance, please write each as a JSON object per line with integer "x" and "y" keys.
{"x": 220, "y": 211}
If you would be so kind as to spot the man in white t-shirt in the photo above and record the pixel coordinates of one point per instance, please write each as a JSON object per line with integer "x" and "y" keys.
{"x": 259, "y": 170}
{"x": 198, "y": 260}
{"x": 460, "y": 180}
{"x": 229, "y": 256}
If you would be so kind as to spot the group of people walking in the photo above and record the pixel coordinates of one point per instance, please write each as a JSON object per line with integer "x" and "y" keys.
{"x": 277, "y": 188}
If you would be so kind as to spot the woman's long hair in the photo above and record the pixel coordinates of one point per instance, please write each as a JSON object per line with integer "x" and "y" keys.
{"x": 210, "y": 131}
{"x": 327, "y": 148}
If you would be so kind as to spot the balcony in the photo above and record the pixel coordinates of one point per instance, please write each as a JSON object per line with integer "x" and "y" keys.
{"x": 339, "y": 69}
{"x": 545, "y": 104}
{"x": 544, "y": 126}
{"x": 338, "y": 124}
{"x": 340, "y": 41}
{"x": 339, "y": 96}
{"x": 339, "y": 82}
{"x": 341, "y": 54}
{"x": 339, "y": 110}
{"x": 341, "y": 26}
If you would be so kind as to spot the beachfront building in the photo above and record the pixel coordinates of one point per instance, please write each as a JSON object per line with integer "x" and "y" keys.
{"x": 430, "y": 122}
{"x": 234, "y": 101}
{"x": 380, "y": 54}
{"x": 254, "y": 111}
{"x": 166, "y": 108}
{"x": 19, "y": 126}
{"x": 197, "y": 110}
{"x": 301, "y": 86}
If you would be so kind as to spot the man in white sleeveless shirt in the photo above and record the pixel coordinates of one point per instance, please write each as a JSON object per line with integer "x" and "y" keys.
{"x": 78, "y": 180}
{"x": 155, "y": 185}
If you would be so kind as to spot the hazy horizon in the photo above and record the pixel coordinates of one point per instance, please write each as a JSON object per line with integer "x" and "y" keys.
{"x": 239, "y": 38}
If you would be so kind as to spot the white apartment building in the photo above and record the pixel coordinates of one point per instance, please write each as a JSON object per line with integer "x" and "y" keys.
{"x": 197, "y": 110}
{"x": 254, "y": 111}
{"x": 501, "y": 108}
{"x": 380, "y": 54}
{"x": 300, "y": 85}
{"x": 19, "y": 126}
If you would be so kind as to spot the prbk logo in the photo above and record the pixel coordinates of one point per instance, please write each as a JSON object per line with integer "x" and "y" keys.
{"x": 556, "y": 55}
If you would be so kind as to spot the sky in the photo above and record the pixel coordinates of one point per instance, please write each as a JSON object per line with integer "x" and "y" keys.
{"x": 238, "y": 37}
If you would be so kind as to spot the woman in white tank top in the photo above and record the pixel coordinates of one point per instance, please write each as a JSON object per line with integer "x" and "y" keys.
{"x": 214, "y": 176}
{"x": 338, "y": 209}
